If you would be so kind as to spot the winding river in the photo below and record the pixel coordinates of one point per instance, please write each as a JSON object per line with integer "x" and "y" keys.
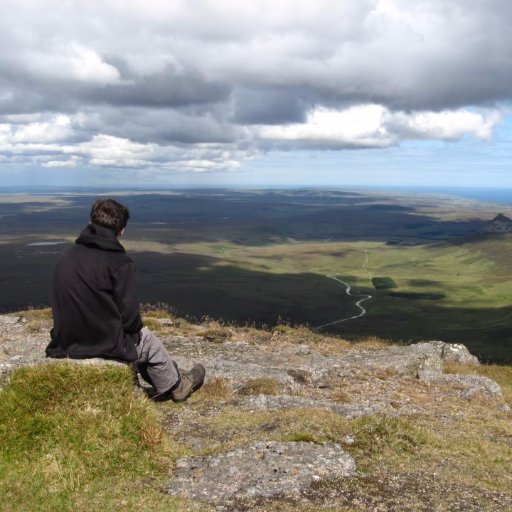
{"x": 348, "y": 288}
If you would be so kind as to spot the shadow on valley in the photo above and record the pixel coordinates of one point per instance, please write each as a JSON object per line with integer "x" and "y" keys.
{"x": 199, "y": 286}
{"x": 205, "y": 285}
{"x": 202, "y": 286}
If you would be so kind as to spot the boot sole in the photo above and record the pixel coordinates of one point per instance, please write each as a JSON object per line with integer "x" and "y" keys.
{"x": 194, "y": 388}
{"x": 184, "y": 399}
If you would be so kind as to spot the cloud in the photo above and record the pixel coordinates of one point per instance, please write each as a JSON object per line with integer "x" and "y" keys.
{"x": 268, "y": 106}
{"x": 375, "y": 126}
{"x": 56, "y": 129}
{"x": 74, "y": 63}
{"x": 356, "y": 126}
{"x": 72, "y": 162}
{"x": 108, "y": 152}
{"x": 165, "y": 88}
{"x": 204, "y": 85}
{"x": 445, "y": 125}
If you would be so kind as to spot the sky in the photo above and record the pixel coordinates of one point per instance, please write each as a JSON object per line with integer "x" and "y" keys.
{"x": 256, "y": 93}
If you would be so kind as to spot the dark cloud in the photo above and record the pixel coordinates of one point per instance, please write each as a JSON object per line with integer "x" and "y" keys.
{"x": 414, "y": 54}
{"x": 213, "y": 73}
{"x": 166, "y": 88}
{"x": 164, "y": 126}
{"x": 269, "y": 106}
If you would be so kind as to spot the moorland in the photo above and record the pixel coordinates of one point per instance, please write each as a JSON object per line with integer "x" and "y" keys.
{"x": 266, "y": 257}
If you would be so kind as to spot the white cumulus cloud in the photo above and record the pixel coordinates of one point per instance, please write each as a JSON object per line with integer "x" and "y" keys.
{"x": 377, "y": 126}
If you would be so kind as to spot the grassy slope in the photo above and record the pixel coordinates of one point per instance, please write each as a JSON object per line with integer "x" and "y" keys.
{"x": 81, "y": 438}
{"x": 288, "y": 281}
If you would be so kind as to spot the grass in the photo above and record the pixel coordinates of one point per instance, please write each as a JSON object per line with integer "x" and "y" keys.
{"x": 380, "y": 433}
{"x": 233, "y": 427}
{"x": 79, "y": 438}
{"x": 216, "y": 334}
{"x": 260, "y": 386}
{"x": 217, "y": 390}
{"x": 341, "y": 396}
{"x": 462, "y": 288}
{"x": 36, "y": 320}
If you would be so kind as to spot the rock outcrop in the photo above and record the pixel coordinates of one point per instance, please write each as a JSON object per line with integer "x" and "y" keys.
{"x": 299, "y": 367}
{"x": 348, "y": 382}
{"x": 264, "y": 469}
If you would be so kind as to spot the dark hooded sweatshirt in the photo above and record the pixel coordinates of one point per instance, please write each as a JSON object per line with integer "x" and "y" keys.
{"x": 94, "y": 300}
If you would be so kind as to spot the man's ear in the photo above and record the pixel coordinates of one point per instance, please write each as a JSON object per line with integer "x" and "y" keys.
{"x": 121, "y": 233}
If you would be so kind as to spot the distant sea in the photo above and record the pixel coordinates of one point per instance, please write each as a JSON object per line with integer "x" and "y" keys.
{"x": 493, "y": 195}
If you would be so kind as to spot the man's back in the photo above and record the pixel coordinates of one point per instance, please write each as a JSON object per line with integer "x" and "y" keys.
{"x": 94, "y": 300}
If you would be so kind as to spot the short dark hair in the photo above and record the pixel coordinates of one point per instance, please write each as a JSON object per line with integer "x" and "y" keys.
{"x": 110, "y": 214}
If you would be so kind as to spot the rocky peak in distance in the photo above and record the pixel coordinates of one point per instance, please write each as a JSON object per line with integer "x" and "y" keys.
{"x": 500, "y": 224}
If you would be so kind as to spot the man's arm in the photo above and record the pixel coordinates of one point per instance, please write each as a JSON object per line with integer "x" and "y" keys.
{"x": 125, "y": 295}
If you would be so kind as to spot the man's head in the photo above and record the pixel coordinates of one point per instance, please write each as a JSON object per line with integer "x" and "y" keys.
{"x": 110, "y": 214}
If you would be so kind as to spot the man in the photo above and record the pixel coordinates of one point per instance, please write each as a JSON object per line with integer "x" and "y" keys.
{"x": 96, "y": 310}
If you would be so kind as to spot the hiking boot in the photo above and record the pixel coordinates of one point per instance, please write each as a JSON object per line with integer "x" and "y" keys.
{"x": 190, "y": 381}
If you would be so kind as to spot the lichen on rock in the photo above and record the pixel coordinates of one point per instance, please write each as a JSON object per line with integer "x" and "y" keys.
{"x": 263, "y": 469}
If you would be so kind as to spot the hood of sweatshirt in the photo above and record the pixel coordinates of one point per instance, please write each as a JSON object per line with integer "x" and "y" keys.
{"x": 99, "y": 237}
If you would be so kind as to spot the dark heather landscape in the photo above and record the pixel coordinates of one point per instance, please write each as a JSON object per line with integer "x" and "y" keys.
{"x": 399, "y": 266}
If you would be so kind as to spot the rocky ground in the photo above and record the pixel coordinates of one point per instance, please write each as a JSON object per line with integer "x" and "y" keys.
{"x": 257, "y": 387}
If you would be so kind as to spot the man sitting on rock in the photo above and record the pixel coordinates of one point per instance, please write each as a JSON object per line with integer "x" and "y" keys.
{"x": 96, "y": 310}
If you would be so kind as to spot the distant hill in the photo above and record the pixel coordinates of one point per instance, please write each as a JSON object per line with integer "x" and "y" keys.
{"x": 500, "y": 224}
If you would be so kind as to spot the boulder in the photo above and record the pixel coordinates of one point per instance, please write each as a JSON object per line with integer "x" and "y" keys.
{"x": 468, "y": 386}
{"x": 417, "y": 360}
{"x": 457, "y": 353}
{"x": 263, "y": 469}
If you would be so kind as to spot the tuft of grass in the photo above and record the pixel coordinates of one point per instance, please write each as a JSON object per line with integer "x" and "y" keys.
{"x": 216, "y": 390}
{"x": 156, "y": 311}
{"x": 305, "y": 437}
{"x": 153, "y": 324}
{"x": 260, "y": 386}
{"x": 372, "y": 343}
{"x": 36, "y": 320}
{"x": 162, "y": 320}
{"x": 76, "y": 437}
{"x": 165, "y": 324}
{"x": 35, "y": 314}
{"x": 216, "y": 334}
{"x": 376, "y": 433}
{"x": 282, "y": 329}
{"x": 341, "y": 396}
